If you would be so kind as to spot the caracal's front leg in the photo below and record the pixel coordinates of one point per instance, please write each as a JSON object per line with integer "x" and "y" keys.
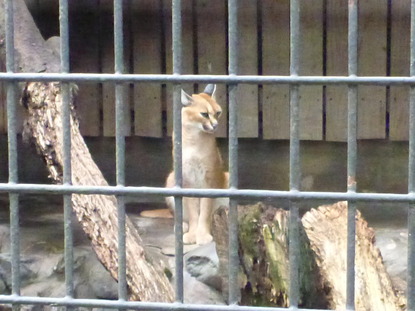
{"x": 191, "y": 209}
{"x": 203, "y": 234}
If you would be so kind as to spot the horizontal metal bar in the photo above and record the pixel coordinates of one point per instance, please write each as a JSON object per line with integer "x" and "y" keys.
{"x": 226, "y": 79}
{"x": 136, "y": 305}
{"x": 265, "y": 195}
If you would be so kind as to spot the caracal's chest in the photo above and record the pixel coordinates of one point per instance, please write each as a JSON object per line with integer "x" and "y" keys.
{"x": 196, "y": 167}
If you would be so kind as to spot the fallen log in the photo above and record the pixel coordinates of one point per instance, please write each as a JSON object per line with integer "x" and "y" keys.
{"x": 326, "y": 228}
{"x": 264, "y": 266}
{"x": 146, "y": 277}
{"x": 97, "y": 214}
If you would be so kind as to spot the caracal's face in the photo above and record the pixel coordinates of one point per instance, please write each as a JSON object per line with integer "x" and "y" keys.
{"x": 201, "y": 113}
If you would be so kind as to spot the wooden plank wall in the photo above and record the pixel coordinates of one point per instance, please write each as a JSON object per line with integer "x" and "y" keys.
{"x": 264, "y": 50}
{"x": 211, "y": 20}
{"x": 188, "y": 45}
{"x": 3, "y": 98}
{"x": 399, "y": 58}
{"x": 311, "y": 64}
{"x": 275, "y": 61}
{"x": 336, "y": 65}
{"x": 84, "y": 39}
{"x": 146, "y": 29}
{"x": 247, "y": 97}
{"x": 372, "y": 62}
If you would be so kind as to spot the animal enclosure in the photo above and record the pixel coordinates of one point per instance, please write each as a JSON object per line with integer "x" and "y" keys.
{"x": 288, "y": 70}
{"x": 264, "y": 49}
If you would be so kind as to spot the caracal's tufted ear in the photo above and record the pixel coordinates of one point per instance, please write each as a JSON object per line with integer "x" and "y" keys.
{"x": 210, "y": 89}
{"x": 187, "y": 100}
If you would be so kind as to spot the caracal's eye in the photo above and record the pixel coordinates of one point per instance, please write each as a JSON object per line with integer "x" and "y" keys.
{"x": 218, "y": 114}
{"x": 205, "y": 115}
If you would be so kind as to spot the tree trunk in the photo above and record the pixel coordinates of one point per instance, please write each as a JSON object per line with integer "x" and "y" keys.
{"x": 146, "y": 278}
{"x": 96, "y": 213}
{"x": 263, "y": 250}
{"x": 326, "y": 228}
{"x": 264, "y": 270}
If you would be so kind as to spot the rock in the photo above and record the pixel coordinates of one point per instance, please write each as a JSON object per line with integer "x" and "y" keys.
{"x": 91, "y": 279}
{"x": 50, "y": 287}
{"x": 393, "y": 242}
{"x": 4, "y": 239}
{"x": 26, "y": 273}
{"x": 5, "y": 273}
{"x": 3, "y": 288}
{"x": 203, "y": 264}
{"x": 101, "y": 283}
{"x": 196, "y": 292}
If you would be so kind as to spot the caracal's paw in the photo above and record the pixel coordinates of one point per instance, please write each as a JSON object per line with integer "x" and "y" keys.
{"x": 204, "y": 238}
{"x": 189, "y": 238}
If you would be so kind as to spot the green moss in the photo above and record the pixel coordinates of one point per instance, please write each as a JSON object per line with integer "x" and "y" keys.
{"x": 277, "y": 260}
{"x": 248, "y": 232}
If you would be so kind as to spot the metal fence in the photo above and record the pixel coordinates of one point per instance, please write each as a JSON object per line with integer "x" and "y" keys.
{"x": 14, "y": 188}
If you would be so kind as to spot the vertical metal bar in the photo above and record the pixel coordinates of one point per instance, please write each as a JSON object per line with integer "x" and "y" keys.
{"x": 12, "y": 149}
{"x": 66, "y": 133}
{"x": 64, "y": 35}
{"x": 352, "y": 152}
{"x": 120, "y": 147}
{"x": 234, "y": 292}
{"x": 294, "y": 97}
{"x": 177, "y": 142}
{"x": 411, "y": 173}
{"x": 295, "y": 170}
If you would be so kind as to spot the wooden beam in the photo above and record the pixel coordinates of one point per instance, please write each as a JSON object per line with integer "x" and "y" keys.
{"x": 275, "y": 61}
{"x": 399, "y": 96}
{"x": 372, "y": 62}
{"x": 187, "y": 52}
{"x": 107, "y": 66}
{"x": 84, "y": 56}
{"x": 336, "y": 65}
{"x": 146, "y": 33}
{"x": 311, "y": 63}
{"x": 211, "y": 49}
{"x": 247, "y": 97}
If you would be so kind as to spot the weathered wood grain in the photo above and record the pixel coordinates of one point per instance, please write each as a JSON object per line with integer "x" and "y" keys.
{"x": 97, "y": 213}
{"x": 326, "y": 228}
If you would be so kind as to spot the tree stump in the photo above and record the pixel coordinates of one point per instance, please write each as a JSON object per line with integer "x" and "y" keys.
{"x": 264, "y": 266}
{"x": 263, "y": 251}
{"x": 326, "y": 228}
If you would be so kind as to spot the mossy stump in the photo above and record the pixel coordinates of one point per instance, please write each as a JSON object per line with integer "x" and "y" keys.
{"x": 264, "y": 262}
{"x": 263, "y": 250}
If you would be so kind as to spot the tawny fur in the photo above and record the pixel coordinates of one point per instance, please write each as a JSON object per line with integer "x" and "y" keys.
{"x": 202, "y": 164}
